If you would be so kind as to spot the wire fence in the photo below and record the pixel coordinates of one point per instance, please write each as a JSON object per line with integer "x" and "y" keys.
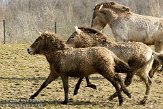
{"x": 21, "y": 34}
{"x": 23, "y": 19}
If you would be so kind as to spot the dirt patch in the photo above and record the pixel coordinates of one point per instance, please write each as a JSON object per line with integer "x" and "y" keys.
{"x": 22, "y": 74}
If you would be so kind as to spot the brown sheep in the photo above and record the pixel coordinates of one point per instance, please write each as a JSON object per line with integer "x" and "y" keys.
{"x": 138, "y": 55}
{"x": 80, "y": 62}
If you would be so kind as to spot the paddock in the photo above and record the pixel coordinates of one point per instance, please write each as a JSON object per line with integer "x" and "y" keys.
{"x": 20, "y": 76}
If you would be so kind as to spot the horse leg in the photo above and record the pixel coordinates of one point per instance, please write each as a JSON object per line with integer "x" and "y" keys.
{"x": 159, "y": 46}
{"x": 155, "y": 67}
{"x": 159, "y": 49}
{"x": 147, "y": 82}
{"x": 115, "y": 82}
{"x": 65, "y": 86}
{"x": 144, "y": 75}
{"x": 128, "y": 81}
{"x": 118, "y": 90}
{"x": 123, "y": 87}
{"x": 89, "y": 84}
{"x": 50, "y": 78}
{"x": 77, "y": 86}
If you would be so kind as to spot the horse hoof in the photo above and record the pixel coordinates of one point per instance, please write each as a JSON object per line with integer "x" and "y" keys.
{"x": 143, "y": 102}
{"x": 120, "y": 103}
{"x": 127, "y": 83}
{"x": 92, "y": 86}
{"x": 64, "y": 102}
{"x": 111, "y": 98}
{"x": 75, "y": 93}
{"x": 32, "y": 97}
{"x": 129, "y": 95}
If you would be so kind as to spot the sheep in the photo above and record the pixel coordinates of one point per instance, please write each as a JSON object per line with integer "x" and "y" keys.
{"x": 78, "y": 62}
{"x": 138, "y": 55}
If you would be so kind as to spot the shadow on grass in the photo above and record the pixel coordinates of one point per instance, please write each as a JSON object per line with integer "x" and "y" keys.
{"x": 41, "y": 78}
{"x": 23, "y": 78}
{"x": 39, "y": 103}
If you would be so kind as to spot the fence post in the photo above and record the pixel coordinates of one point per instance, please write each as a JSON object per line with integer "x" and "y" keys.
{"x": 4, "y": 32}
{"x": 55, "y": 27}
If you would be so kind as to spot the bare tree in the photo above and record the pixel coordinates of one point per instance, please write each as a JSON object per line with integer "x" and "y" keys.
{"x": 24, "y": 18}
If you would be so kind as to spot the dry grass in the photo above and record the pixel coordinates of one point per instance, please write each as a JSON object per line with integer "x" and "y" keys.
{"x": 22, "y": 74}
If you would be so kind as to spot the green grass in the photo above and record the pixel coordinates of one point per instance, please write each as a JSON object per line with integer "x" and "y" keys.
{"x": 22, "y": 74}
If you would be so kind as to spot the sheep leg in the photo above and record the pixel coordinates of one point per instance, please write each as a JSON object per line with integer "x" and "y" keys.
{"x": 50, "y": 78}
{"x": 147, "y": 82}
{"x": 65, "y": 86}
{"x": 89, "y": 84}
{"x": 78, "y": 86}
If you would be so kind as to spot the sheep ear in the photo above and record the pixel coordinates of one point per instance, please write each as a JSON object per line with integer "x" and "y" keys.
{"x": 77, "y": 30}
{"x": 101, "y": 7}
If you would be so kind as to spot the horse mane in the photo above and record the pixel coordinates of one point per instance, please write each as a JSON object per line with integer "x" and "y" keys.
{"x": 93, "y": 33}
{"x": 114, "y": 6}
{"x": 60, "y": 43}
{"x": 90, "y": 31}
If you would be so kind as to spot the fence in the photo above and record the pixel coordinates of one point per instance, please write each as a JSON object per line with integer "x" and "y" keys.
{"x": 4, "y": 30}
{"x": 24, "y": 18}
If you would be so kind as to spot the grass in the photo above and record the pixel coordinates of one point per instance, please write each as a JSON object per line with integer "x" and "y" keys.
{"x": 22, "y": 74}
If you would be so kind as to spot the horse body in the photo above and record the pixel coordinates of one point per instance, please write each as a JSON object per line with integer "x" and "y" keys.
{"x": 128, "y": 26}
{"x": 138, "y": 28}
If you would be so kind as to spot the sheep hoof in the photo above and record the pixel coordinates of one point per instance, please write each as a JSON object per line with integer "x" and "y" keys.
{"x": 92, "y": 86}
{"x": 64, "y": 102}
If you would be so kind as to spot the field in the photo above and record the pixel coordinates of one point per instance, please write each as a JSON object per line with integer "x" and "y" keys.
{"x": 22, "y": 74}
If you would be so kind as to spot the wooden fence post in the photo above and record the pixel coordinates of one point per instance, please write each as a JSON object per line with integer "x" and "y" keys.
{"x": 55, "y": 27}
{"x": 4, "y": 32}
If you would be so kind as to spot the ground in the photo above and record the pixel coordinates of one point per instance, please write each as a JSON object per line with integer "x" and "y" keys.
{"x": 22, "y": 74}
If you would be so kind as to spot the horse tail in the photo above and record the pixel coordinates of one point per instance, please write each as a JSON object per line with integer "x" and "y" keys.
{"x": 158, "y": 57}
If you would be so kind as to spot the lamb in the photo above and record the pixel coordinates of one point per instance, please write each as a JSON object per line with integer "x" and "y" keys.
{"x": 138, "y": 55}
{"x": 79, "y": 62}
